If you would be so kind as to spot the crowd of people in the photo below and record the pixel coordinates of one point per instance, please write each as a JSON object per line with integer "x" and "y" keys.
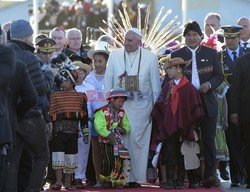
{"x": 86, "y": 15}
{"x": 74, "y": 115}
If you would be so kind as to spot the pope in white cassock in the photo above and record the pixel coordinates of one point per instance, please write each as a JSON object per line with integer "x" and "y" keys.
{"x": 132, "y": 60}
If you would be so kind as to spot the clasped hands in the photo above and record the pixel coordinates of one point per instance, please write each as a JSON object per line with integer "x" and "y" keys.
{"x": 112, "y": 136}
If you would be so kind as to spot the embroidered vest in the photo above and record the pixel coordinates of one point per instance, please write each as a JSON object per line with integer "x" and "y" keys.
{"x": 109, "y": 121}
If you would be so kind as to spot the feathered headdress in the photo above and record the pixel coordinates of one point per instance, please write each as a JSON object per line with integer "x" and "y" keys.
{"x": 153, "y": 37}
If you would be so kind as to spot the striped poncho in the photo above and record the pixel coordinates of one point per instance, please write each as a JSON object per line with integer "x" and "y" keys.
{"x": 67, "y": 105}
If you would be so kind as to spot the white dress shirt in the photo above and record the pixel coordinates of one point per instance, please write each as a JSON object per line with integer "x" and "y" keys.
{"x": 176, "y": 82}
{"x": 242, "y": 43}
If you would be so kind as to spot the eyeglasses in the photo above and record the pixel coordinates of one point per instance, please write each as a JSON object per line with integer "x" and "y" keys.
{"x": 75, "y": 39}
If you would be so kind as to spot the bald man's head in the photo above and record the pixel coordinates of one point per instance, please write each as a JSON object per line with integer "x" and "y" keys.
{"x": 245, "y": 32}
{"x": 211, "y": 23}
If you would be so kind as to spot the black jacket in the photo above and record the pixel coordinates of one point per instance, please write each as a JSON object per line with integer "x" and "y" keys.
{"x": 83, "y": 56}
{"x": 209, "y": 70}
{"x": 7, "y": 69}
{"x": 68, "y": 52}
{"x": 22, "y": 96}
{"x": 24, "y": 53}
{"x": 240, "y": 89}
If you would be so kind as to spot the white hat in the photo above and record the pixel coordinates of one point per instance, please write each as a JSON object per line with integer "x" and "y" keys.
{"x": 100, "y": 47}
{"x": 79, "y": 6}
{"x": 135, "y": 30}
{"x": 82, "y": 66}
{"x": 65, "y": 4}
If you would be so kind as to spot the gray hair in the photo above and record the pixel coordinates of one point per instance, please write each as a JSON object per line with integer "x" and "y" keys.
{"x": 243, "y": 18}
{"x": 72, "y": 30}
{"x": 57, "y": 29}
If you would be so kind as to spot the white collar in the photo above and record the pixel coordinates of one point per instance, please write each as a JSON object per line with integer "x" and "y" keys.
{"x": 176, "y": 82}
{"x": 133, "y": 53}
{"x": 193, "y": 50}
{"x": 241, "y": 41}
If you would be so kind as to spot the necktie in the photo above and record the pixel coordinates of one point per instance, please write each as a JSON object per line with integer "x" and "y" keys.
{"x": 234, "y": 56}
{"x": 195, "y": 76}
{"x": 245, "y": 45}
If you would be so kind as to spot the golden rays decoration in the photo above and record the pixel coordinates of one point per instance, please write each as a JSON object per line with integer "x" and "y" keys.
{"x": 154, "y": 36}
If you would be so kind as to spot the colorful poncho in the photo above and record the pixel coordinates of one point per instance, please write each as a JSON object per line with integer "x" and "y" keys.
{"x": 178, "y": 109}
{"x": 68, "y": 105}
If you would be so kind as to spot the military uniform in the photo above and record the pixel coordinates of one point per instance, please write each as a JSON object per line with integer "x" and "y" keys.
{"x": 45, "y": 46}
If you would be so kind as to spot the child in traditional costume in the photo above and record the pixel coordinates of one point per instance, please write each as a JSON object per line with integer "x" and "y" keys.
{"x": 111, "y": 123}
{"x": 222, "y": 153}
{"x": 96, "y": 78}
{"x": 177, "y": 114}
{"x": 68, "y": 111}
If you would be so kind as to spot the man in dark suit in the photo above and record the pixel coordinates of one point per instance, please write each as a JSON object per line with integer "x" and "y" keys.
{"x": 206, "y": 75}
{"x": 228, "y": 58}
{"x": 245, "y": 32}
{"x": 240, "y": 104}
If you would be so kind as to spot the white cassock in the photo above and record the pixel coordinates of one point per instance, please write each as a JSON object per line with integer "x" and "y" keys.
{"x": 83, "y": 149}
{"x": 138, "y": 110}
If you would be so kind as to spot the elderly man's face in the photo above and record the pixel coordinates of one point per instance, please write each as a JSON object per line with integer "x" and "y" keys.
{"x": 59, "y": 38}
{"x": 245, "y": 32}
{"x": 211, "y": 22}
{"x": 74, "y": 41}
{"x": 132, "y": 42}
{"x": 192, "y": 39}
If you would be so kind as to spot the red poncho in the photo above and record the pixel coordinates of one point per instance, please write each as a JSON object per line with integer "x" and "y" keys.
{"x": 178, "y": 108}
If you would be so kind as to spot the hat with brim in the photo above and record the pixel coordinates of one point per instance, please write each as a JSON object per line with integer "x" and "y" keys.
{"x": 69, "y": 73}
{"x": 82, "y": 66}
{"x": 117, "y": 93}
{"x": 175, "y": 62}
{"x": 100, "y": 47}
{"x": 231, "y": 30}
{"x": 46, "y": 45}
{"x": 40, "y": 37}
